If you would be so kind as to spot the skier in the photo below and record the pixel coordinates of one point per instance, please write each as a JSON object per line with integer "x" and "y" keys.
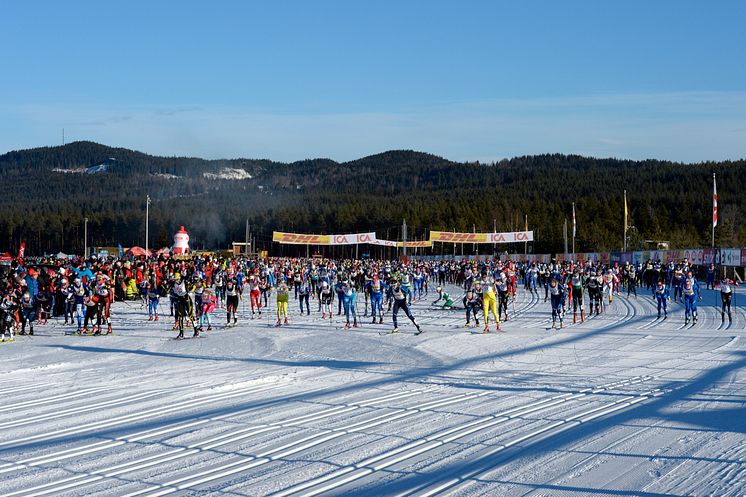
{"x": 182, "y": 304}
{"x": 677, "y": 282}
{"x": 400, "y": 302}
{"x": 661, "y": 296}
{"x": 376, "y": 288}
{"x": 576, "y": 288}
{"x": 557, "y": 299}
{"x": 219, "y": 281}
{"x": 340, "y": 294}
{"x": 254, "y": 294}
{"x": 447, "y": 302}
{"x": 154, "y": 297}
{"x": 199, "y": 288}
{"x": 232, "y": 297}
{"x": 209, "y": 302}
{"x": 503, "y": 292}
{"x": 632, "y": 280}
{"x": 690, "y": 289}
{"x": 67, "y": 297}
{"x": 283, "y": 294}
{"x": 489, "y": 302}
{"x": 8, "y": 309}
{"x": 43, "y": 304}
{"x": 28, "y": 313}
{"x": 350, "y": 303}
{"x": 726, "y": 292}
{"x": 80, "y": 291}
{"x": 418, "y": 278}
{"x": 593, "y": 293}
{"x": 265, "y": 290}
{"x": 472, "y": 304}
{"x": 304, "y": 294}
{"x": 326, "y": 297}
{"x": 531, "y": 278}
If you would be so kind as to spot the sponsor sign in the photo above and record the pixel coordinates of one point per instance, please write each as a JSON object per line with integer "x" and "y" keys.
{"x": 507, "y": 237}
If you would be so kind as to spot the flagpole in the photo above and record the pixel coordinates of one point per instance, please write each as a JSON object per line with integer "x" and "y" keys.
{"x": 624, "y": 245}
{"x": 714, "y": 208}
{"x": 525, "y": 244}
{"x": 573, "y": 230}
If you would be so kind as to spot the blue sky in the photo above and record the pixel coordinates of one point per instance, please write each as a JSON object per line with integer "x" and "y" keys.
{"x": 288, "y": 80}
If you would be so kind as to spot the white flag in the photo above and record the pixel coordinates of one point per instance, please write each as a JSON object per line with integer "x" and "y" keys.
{"x": 574, "y": 225}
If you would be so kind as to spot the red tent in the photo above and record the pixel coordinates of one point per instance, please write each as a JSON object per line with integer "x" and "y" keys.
{"x": 137, "y": 252}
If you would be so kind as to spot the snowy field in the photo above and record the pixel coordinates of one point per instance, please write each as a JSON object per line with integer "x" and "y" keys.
{"x": 622, "y": 405}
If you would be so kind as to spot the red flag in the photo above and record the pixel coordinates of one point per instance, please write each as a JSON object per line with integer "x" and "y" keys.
{"x": 714, "y": 202}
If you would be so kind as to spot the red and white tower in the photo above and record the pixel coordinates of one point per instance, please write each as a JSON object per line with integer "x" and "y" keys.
{"x": 181, "y": 242}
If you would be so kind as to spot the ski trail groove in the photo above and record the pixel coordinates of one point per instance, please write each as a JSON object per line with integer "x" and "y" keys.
{"x": 182, "y": 452}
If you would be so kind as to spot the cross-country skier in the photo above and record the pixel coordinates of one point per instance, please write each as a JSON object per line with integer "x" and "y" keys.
{"x": 690, "y": 289}
{"x": 726, "y": 292}
{"x": 400, "y": 302}
{"x": 661, "y": 296}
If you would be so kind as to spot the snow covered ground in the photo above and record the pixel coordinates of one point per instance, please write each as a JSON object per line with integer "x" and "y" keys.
{"x": 622, "y": 405}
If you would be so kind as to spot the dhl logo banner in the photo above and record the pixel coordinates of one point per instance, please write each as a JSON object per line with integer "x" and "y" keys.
{"x": 303, "y": 239}
{"x": 507, "y": 237}
{"x": 417, "y": 244}
{"x": 300, "y": 239}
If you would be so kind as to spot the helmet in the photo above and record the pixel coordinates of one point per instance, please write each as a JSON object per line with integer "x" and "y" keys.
{"x": 177, "y": 276}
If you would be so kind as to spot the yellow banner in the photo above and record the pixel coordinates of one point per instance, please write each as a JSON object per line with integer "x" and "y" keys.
{"x": 417, "y": 244}
{"x": 300, "y": 239}
{"x": 507, "y": 237}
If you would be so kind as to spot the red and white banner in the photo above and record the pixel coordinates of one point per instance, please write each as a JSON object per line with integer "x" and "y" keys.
{"x": 384, "y": 243}
{"x": 352, "y": 239}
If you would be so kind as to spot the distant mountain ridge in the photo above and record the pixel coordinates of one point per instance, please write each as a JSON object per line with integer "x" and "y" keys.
{"x": 54, "y": 188}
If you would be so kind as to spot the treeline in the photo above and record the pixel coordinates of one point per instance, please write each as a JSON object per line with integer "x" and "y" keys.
{"x": 667, "y": 201}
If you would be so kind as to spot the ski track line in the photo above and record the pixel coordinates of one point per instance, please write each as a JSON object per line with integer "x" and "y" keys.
{"x": 391, "y": 457}
{"x": 23, "y": 388}
{"x": 605, "y": 449}
{"x": 276, "y": 453}
{"x": 654, "y": 311}
{"x": 48, "y": 400}
{"x": 131, "y": 438}
{"x": 208, "y": 444}
{"x": 561, "y": 426}
{"x": 80, "y": 410}
{"x": 455, "y": 483}
{"x": 157, "y": 411}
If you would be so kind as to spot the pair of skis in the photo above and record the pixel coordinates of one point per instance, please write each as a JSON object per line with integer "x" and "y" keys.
{"x": 396, "y": 331}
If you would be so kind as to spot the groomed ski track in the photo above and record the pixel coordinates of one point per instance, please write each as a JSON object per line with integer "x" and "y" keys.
{"x": 622, "y": 404}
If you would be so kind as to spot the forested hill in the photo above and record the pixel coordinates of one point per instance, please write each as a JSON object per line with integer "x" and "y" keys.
{"x": 50, "y": 190}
